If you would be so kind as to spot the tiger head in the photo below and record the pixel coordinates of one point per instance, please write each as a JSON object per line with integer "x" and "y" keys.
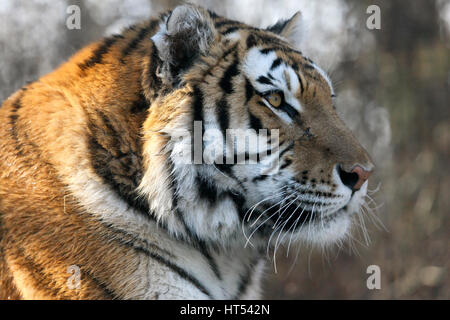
{"x": 309, "y": 174}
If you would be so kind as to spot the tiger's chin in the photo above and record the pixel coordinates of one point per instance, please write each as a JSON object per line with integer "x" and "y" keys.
{"x": 329, "y": 230}
{"x": 333, "y": 227}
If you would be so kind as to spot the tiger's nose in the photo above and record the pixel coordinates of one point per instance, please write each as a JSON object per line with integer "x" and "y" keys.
{"x": 355, "y": 178}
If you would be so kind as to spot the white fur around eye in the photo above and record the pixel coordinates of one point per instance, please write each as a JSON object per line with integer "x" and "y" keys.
{"x": 234, "y": 36}
{"x": 325, "y": 76}
{"x": 257, "y": 64}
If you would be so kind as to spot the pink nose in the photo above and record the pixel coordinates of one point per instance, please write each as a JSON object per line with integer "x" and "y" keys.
{"x": 355, "y": 178}
{"x": 363, "y": 175}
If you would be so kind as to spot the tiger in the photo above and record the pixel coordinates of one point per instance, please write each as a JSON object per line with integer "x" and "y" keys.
{"x": 100, "y": 197}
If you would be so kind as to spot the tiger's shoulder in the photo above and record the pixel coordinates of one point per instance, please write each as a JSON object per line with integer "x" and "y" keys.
{"x": 73, "y": 136}
{"x": 96, "y": 90}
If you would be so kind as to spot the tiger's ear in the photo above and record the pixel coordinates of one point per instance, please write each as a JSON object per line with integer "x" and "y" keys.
{"x": 290, "y": 29}
{"x": 185, "y": 34}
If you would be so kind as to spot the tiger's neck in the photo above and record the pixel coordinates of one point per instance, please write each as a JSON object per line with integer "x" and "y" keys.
{"x": 182, "y": 257}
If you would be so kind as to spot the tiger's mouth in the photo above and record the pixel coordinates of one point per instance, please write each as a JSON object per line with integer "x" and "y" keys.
{"x": 312, "y": 222}
{"x": 295, "y": 215}
{"x": 297, "y": 222}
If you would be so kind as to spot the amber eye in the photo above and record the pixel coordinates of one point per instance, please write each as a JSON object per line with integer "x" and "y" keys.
{"x": 275, "y": 99}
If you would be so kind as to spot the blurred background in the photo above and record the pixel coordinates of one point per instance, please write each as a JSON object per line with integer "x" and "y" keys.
{"x": 393, "y": 92}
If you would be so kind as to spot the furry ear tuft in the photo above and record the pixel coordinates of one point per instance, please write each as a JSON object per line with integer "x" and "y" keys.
{"x": 290, "y": 29}
{"x": 186, "y": 33}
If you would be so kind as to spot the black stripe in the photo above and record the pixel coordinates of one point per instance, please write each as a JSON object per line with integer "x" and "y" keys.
{"x": 227, "y": 78}
{"x": 230, "y": 30}
{"x": 244, "y": 281}
{"x": 224, "y": 167}
{"x": 42, "y": 280}
{"x": 308, "y": 66}
{"x": 262, "y": 104}
{"x": 120, "y": 169}
{"x": 192, "y": 237}
{"x": 173, "y": 183}
{"x": 276, "y": 44}
{"x": 212, "y": 14}
{"x": 286, "y": 163}
{"x": 8, "y": 289}
{"x": 280, "y": 47}
{"x": 260, "y": 178}
{"x": 152, "y": 83}
{"x": 289, "y": 110}
{"x": 97, "y": 55}
{"x": 131, "y": 28}
{"x": 23, "y": 140}
{"x": 133, "y": 44}
{"x": 100, "y": 159}
{"x": 182, "y": 273}
{"x": 212, "y": 263}
{"x": 106, "y": 290}
{"x": 289, "y": 147}
{"x": 227, "y": 169}
{"x": 239, "y": 203}
{"x": 45, "y": 280}
{"x": 276, "y": 63}
{"x": 222, "y": 115}
{"x": 269, "y": 39}
{"x": 230, "y": 23}
{"x": 129, "y": 240}
{"x": 255, "y": 123}
{"x": 206, "y": 190}
{"x": 13, "y": 117}
{"x": 189, "y": 234}
{"x": 302, "y": 88}
{"x": 227, "y": 22}
{"x": 268, "y": 50}
{"x": 200, "y": 245}
{"x": 259, "y": 156}
{"x": 140, "y": 104}
{"x": 228, "y": 51}
{"x": 198, "y": 104}
{"x": 249, "y": 90}
{"x": 264, "y": 80}
{"x": 251, "y": 41}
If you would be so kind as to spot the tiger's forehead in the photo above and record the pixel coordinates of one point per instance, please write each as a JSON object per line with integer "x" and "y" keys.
{"x": 269, "y": 61}
{"x": 272, "y": 69}
{"x": 267, "y": 71}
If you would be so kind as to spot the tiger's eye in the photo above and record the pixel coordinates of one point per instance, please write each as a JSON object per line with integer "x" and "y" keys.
{"x": 274, "y": 99}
